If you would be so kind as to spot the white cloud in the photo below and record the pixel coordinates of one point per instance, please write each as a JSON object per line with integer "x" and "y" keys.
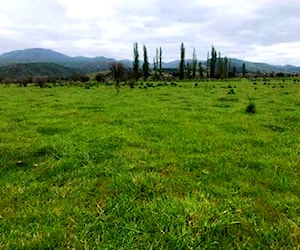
{"x": 265, "y": 30}
{"x": 280, "y": 52}
{"x": 89, "y": 9}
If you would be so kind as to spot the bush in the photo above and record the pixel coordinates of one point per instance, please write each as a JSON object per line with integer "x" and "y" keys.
{"x": 40, "y": 81}
{"x": 100, "y": 77}
{"x": 231, "y": 91}
{"x": 118, "y": 73}
{"x": 80, "y": 78}
{"x": 251, "y": 108}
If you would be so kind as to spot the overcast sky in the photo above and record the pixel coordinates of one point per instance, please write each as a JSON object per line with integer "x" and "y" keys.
{"x": 259, "y": 30}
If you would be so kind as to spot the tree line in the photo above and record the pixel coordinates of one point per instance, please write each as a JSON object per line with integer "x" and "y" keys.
{"x": 215, "y": 66}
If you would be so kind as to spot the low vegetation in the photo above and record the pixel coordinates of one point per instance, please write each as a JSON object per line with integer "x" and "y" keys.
{"x": 251, "y": 108}
{"x": 166, "y": 165}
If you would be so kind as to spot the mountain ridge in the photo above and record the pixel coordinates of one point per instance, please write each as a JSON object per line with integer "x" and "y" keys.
{"x": 100, "y": 63}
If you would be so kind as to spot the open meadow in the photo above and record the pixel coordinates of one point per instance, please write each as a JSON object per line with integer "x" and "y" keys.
{"x": 174, "y": 166}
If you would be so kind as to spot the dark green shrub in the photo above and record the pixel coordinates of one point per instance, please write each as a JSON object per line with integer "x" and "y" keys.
{"x": 100, "y": 77}
{"x": 231, "y": 91}
{"x": 80, "y": 78}
{"x": 251, "y": 108}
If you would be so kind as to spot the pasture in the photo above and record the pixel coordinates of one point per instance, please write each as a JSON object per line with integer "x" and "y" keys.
{"x": 176, "y": 166}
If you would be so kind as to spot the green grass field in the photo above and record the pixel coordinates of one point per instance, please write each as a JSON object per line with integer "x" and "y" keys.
{"x": 158, "y": 168}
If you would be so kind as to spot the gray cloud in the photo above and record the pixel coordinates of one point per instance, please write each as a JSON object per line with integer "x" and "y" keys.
{"x": 262, "y": 30}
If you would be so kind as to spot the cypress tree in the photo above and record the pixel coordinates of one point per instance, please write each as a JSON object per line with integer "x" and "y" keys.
{"x": 156, "y": 59}
{"x": 145, "y": 64}
{"x": 160, "y": 60}
{"x": 225, "y": 67}
{"x": 229, "y": 67}
{"x": 213, "y": 61}
{"x": 207, "y": 65}
{"x": 244, "y": 69}
{"x": 219, "y": 66}
{"x": 182, "y": 63}
{"x": 154, "y": 64}
{"x": 234, "y": 72}
{"x": 136, "y": 62}
{"x": 200, "y": 70}
{"x": 189, "y": 70}
{"x": 194, "y": 64}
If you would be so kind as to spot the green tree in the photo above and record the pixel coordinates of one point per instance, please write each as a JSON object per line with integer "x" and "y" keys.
{"x": 189, "y": 70}
{"x": 200, "y": 70}
{"x": 160, "y": 61}
{"x": 118, "y": 72}
{"x": 226, "y": 63}
{"x": 155, "y": 61}
{"x": 194, "y": 64}
{"x": 244, "y": 69}
{"x": 213, "y": 61}
{"x": 136, "y": 63}
{"x": 154, "y": 64}
{"x": 182, "y": 63}
{"x": 222, "y": 66}
{"x": 234, "y": 72}
{"x": 145, "y": 64}
{"x": 219, "y": 66}
{"x": 207, "y": 65}
{"x": 100, "y": 77}
{"x": 229, "y": 68}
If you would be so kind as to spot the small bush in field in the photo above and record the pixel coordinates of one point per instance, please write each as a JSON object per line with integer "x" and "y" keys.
{"x": 231, "y": 91}
{"x": 251, "y": 108}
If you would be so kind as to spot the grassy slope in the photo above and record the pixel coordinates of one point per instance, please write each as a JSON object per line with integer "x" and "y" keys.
{"x": 159, "y": 168}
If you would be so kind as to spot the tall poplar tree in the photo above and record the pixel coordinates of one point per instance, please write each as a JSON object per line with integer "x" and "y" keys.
{"x": 226, "y": 66}
{"x": 219, "y": 66}
{"x": 213, "y": 61}
{"x": 145, "y": 64}
{"x": 154, "y": 64}
{"x": 244, "y": 69}
{"x": 229, "y": 67}
{"x": 234, "y": 72}
{"x": 200, "y": 70}
{"x": 194, "y": 64}
{"x": 207, "y": 65}
{"x": 156, "y": 59}
{"x": 189, "y": 70}
{"x": 160, "y": 60}
{"x": 136, "y": 63}
{"x": 182, "y": 63}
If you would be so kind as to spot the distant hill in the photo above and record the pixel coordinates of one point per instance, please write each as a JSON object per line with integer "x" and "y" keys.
{"x": 32, "y": 56}
{"x": 254, "y": 67}
{"x": 251, "y": 67}
{"x": 89, "y": 65}
{"x": 36, "y": 69}
{"x": 39, "y": 55}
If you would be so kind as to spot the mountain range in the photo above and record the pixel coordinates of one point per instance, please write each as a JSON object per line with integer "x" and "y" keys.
{"x": 39, "y": 61}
